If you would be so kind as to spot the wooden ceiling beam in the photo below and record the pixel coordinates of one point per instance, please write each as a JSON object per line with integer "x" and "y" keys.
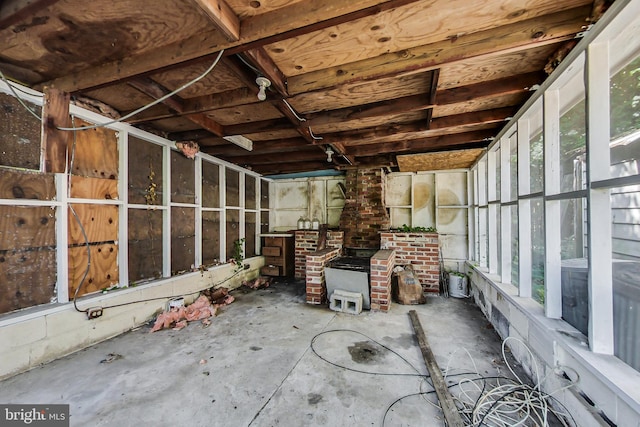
{"x": 291, "y": 167}
{"x": 14, "y": 11}
{"x": 259, "y": 148}
{"x": 535, "y": 32}
{"x": 420, "y": 128}
{"x": 422, "y": 144}
{"x": 259, "y": 30}
{"x": 223, "y": 16}
{"x": 157, "y": 91}
{"x": 301, "y": 155}
{"x": 497, "y": 87}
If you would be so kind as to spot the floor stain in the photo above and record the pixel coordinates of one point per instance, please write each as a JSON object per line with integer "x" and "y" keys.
{"x": 314, "y": 398}
{"x": 254, "y": 348}
{"x": 365, "y": 352}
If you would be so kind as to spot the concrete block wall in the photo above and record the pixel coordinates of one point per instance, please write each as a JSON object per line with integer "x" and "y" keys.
{"x": 545, "y": 346}
{"x": 316, "y": 287}
{"x": 32, "y": 337}
{"x": 382, "y": 264}
{"x": 421, "y": 250}
{"x": 306, "y": 242}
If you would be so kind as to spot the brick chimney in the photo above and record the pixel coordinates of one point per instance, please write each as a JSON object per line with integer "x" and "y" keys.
{"x": 364, "y": 214}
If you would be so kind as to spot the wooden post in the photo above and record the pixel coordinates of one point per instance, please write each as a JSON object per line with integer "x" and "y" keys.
{"x": 55, "y": 114}
{"x": 449, "y": 408}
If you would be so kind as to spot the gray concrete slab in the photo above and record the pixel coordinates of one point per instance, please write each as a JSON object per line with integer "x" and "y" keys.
{"x": 269, "y": 359}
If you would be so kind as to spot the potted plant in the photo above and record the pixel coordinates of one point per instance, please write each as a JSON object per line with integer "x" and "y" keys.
{"x": 457, "y": 284}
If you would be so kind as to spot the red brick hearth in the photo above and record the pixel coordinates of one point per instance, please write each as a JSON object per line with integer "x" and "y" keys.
{"x": 421, "y": 250}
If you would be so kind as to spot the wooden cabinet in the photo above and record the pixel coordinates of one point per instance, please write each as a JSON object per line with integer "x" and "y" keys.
{"x": 278, "y": 254}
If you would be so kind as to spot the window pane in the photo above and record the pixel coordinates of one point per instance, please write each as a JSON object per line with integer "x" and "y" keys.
{"x": 482, "y": 235}
{"x": 537, "y": 250}
{"x": 498, "y": 174}
{"x": 625, "y": 120}
{"x": 514, "y": 245}
{"x": 536, "y": 159}
{"x": 574, "y": 272}
{"x": 625, "y": 226}
{"x": 513, "y": 167}
{"x": 572, "y": 148}
{"x": 249, "y": 192}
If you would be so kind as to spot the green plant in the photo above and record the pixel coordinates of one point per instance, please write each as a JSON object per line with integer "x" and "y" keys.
{"x": 456, "y": 273}
{"x": 238, "y": 254}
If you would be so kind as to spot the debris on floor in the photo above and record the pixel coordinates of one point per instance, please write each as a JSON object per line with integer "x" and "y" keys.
{"x": 178, "y": 317}
{"x": 111, "y": 357}
{"x": 258, "y": 283}
{"x": 218, "y": 297}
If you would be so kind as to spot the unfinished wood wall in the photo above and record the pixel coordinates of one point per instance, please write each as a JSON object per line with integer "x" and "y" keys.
{"x": 166, "y": 199}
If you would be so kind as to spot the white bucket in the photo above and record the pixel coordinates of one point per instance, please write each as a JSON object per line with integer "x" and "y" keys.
{"x": 457, "y": 286}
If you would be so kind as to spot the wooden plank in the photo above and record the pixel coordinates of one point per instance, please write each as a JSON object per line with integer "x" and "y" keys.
{"x": 100, "y": 223}
{"x": 25, "y": 185}
{"x": 14, "y": 11}
{"x": 55, "y": 142}
{"x": 19, "y": 134}
{"x": 93, "y": 188}
{"x": 222, "y": 16}
{"x": 103, "y": 271}
{"x": 448, "y": 406}
{"x": 96, "y": 152}
{"x": 262, "y": 29}
{"x": 535, "y": 32}
{"x": 457, "y": 159}
{"x": 145, "y": 224}
{"x": 27, "y": 278}
{"x": 24, "y": 227}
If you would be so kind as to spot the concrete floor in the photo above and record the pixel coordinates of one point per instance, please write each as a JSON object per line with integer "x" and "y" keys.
{"x": 269, "y": 359}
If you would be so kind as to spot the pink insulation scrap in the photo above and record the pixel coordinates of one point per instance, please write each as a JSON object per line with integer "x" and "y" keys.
{"x": 178, "y": 317}
{"x": 188, "y": 148}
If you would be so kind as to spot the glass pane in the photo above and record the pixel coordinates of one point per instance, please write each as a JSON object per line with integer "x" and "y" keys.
{"x": 182, "y": 179}
{"x": 625, "y": 226}
{"x": 264, "y": 194}
{"x": 573, "y": 148}
{"x": 625, "y": 120}
{"x": 145, "y": 172}
{"x": 513, "y": 167}
{"x": 232, "y": 231}
{"x": 498, "y": 174}
{"x": 574, "y": 269}
{"x": 250, "y": 234}
{"x": 210, "y": 238}
{"x": 183, "y": 239}
{"x": 482, "y": 237}
{"x": 514, "y": 245}
{"x": 537, "y": 250}
{"x": 232, "y": 187}
{"x": 210, "y": 185}
{"x": 536, "y": 159}
{"x": 249, "y": 192}
{"x": 573, "y": 228}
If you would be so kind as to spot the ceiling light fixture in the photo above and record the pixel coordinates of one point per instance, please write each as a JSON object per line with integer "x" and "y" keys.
{"x": 329, "y": 152}
{"x": 263, "y": 83}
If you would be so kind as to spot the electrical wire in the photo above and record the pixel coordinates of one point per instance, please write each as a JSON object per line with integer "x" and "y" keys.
{"x": 127, "y": 116}
{"x": 157, "y": 101}
{"x": 492, "y": 401}
{"x": 13, "y": 91}
{"x": 302, "y": 119}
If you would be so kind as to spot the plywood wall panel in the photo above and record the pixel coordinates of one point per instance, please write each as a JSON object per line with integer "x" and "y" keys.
{"x": 27, "y": 278}
{"x": 25, "y": 227}
{"x": 96, "y": 152}
{"x": 19, "y": 134}
{"x": 26, "y": 185}
{"x": 100, "y": 223}
{"x": 103, "y": 271}
{"x": 182, "y": 239}
{"x": 93, "y": 188}
{"x": 210, "y": 238}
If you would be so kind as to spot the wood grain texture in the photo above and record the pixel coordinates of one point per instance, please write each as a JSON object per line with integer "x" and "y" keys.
{"x": 25, "y": 227}
{"x": 145, "y": 170}
{"x": 438, "y": 161}
{"x": 93, "y": 188}
{"x": 19, "y": 134}
{"x": 145, "y": 244}
{"x": 26, "y": 185}
{"x": 96, "y": 152}
{"x": 210, "y": 238}
{"x": 103, "y": 271}
{"x": 100, "y": 223}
